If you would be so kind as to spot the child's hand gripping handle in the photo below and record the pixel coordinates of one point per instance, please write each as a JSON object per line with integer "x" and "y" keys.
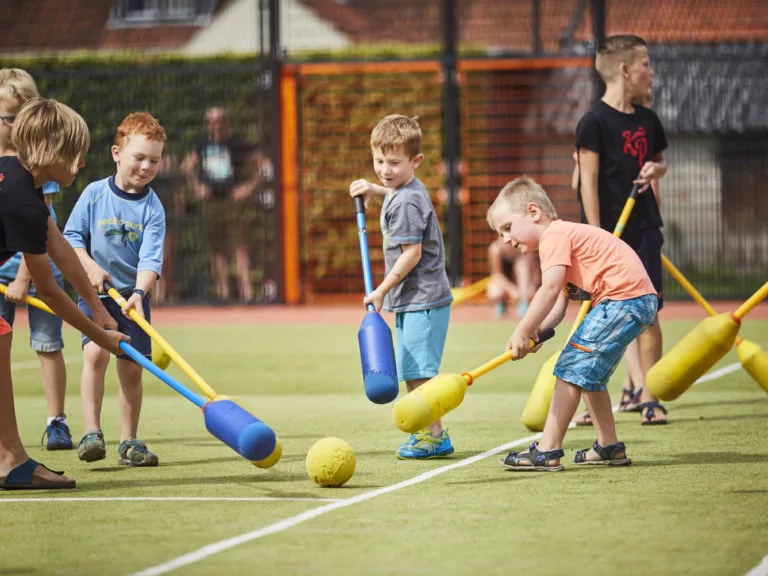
{"x": 499, "y": 360}
{"x": 363, "y": 237}
{"x": 155, "y": 335}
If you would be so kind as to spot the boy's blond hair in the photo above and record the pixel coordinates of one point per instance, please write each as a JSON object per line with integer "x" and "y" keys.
{"x": 520, "y": 192}
{"x": 615, "y": 50}
{"x": 139, "y": 123}
{"x": 397, "y": 132}
{"x": 16, "y": 84}
{"x": 47, "y": 131}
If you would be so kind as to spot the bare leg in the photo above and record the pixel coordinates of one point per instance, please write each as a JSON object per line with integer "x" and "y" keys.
{"x": 12, "y": 451}
{"x": 54, "y": 373}
{"x": 129, "y": 398}
{"x": 650, "y": 343}
{"x": 95, "y": 362}
{"x": 635, "y": 379}
{"x": 436, "y": 428}
{"x": 243, "y": 265}
{"x": 565, "y": 401}
{"x": 599, "y": 406}
{"x": 221, "y": 272}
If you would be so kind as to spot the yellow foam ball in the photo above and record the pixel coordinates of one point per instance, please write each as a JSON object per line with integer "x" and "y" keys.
{"x": 272, "y": 459}
{"x": 330, "y": 462}
{"x": 160, "y": 357}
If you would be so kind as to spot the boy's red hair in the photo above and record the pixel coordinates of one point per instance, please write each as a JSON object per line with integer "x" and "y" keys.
{"x": 141, "y": 123}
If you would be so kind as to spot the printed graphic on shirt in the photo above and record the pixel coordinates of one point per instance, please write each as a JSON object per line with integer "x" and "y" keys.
{"x": 636, "y": 144}
{"x": 217, "y": 163}
{"x": 120, "y": 232}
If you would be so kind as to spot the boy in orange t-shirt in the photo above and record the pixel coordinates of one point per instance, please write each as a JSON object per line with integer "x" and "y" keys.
{"x": 582, "y": 262}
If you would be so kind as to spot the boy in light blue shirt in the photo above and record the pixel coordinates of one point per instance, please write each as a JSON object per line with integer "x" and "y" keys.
{"x": 416, "y": 287}
{"x": 117, "y": 229}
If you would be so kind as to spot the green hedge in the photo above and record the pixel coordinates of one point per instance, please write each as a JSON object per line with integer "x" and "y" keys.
{"x": 177, "y": 90}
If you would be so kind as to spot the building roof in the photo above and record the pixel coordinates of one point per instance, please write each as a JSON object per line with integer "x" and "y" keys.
{"x": 54, "y": 25}
{"x": 506, "y": 26}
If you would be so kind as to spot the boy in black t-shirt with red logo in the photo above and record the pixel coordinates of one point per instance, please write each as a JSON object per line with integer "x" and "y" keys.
{"x": 621, "y": 144}
{"x": 51, "y": 140}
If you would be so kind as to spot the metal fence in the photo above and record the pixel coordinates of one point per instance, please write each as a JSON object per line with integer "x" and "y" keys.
{"x": 179, "y": 95}
{"x": 498, "y": 88}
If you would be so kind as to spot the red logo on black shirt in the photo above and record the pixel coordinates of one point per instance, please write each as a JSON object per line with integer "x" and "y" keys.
{"x": 2, "y": 176}
{"x": 635, "y": 144}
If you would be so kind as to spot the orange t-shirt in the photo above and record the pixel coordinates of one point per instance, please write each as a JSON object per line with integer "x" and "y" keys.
{"x": 595, "y": 261}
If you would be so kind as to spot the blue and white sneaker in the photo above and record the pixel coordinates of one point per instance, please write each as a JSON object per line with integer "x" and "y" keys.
{"x": 423, "y": 445}
{"x": 58, "y": 434}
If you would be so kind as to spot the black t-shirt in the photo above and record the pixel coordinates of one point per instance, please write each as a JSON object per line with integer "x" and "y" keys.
{"x": 223, "y": 165}
{"x": 23, "y": 213}
{"x": 624, "y": 142}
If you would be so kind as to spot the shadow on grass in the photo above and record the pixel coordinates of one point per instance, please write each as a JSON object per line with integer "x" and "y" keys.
{"x": 257, "y": 480}
{"x": 710, "y": 458}
{"x": 15, "y": 571}
{"x": 724, "y": 417}
{"x": 505, "y": 476}
{"x": 743, "y": 402}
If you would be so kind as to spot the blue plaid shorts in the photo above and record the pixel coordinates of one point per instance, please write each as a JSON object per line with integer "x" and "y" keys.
{"x": 593, "y": 352}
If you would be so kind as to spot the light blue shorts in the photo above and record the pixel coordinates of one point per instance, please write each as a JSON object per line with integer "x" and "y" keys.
{"x": 593, "y": 352}
{"x": 420, "y": 339}
{"x": 44, "y": 328}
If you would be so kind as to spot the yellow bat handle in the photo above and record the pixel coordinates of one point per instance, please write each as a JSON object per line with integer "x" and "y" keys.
{"x": 683, "y": 281}
{"x": 753, "y": 301}
{"x": 690, "y": 288}
{"x": 155, "y": 335}
{"x": 619, "y": 229}
{"x": 32, "y": 301}
{"x": 467, "y": 292}
{"x": 491, "y": 364}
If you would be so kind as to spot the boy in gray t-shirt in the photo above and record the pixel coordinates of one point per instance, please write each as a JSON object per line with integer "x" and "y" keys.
{"x": 416, "y": 286}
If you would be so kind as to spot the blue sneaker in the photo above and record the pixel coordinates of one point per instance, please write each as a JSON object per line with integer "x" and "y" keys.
{"x": 425, "y": 446}
{"x": 522, "y": 308}
{"x": 501, "y": 309}
{"x": 58, "y": 434}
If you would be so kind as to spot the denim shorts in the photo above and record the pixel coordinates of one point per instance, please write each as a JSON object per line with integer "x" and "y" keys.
{"x": 44, "y": 328}
{"x": 593, "y": 352}
{"x": 139, "y": 339}
{"x": 420, "y": 339}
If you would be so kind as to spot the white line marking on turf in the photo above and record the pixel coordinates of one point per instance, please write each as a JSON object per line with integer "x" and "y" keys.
{"x": 217, "y": 547}
{"x": 759, "y": 570}
{"x": 167, "y": 499}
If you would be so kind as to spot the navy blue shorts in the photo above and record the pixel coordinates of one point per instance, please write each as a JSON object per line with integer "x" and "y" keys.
{"x": 647, "y": 243}
{"x": 139, "y": 339}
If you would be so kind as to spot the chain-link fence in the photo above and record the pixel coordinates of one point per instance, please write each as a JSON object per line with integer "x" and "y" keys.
{"x": 498, "y": 88}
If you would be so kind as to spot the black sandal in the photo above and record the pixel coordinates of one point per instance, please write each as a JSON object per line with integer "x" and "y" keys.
{"x": 648, "y": 412}
{"x": 584, "y": 420}
{"x": 534, "y": 460}
{"x": 607, "y": 455}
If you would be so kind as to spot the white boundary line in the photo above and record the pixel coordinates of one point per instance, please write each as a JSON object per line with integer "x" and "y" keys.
{"x": 217, "y": 547}
{"x": 759, "y": 570}
{"x": 167, "y": 499}
{"x": 212, "y": 549}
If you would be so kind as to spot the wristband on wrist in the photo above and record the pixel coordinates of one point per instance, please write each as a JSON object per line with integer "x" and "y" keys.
{"x": 139, "y": 291}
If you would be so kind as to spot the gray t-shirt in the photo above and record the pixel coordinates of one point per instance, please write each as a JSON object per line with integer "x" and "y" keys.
{"x": 408, "y": 217}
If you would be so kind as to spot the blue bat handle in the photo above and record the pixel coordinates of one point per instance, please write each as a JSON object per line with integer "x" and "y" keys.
{"x": 363, "y": 237}
{"x": 172, "y": 382}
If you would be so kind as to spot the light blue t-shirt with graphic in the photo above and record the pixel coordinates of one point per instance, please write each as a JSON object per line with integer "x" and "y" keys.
{"x": 10, "y": 269}
{"x": 122, "y": 232}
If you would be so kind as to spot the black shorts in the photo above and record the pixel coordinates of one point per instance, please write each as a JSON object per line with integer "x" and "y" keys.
{"x": 139, "y": 339}
{"x": 647, "y": 243}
